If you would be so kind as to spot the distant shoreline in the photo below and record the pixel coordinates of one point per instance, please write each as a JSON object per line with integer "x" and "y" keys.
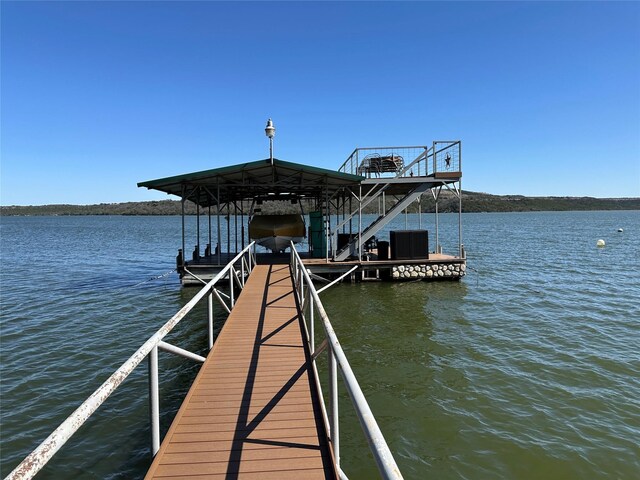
{"x": 472, "y": 202}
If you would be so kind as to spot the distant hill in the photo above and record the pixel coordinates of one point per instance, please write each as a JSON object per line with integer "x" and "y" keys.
{"x": 471, "y": 202}
{"x": 484, "y": 202}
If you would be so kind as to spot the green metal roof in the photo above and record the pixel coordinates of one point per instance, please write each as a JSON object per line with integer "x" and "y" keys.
{"x": 259, "y": 179}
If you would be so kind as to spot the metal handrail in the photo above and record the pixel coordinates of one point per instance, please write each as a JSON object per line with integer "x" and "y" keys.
{"x": 351, "y": 164}
{"x": 386, "y": 463}
{"x": 37, "y": 459}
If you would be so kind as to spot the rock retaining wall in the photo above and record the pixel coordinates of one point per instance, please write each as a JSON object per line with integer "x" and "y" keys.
{"x": 440, "y": 271}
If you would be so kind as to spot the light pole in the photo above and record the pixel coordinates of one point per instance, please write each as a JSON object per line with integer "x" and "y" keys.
{"x": 270, "y": 131}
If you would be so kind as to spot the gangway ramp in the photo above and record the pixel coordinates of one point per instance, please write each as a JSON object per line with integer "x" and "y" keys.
{"x": 253, "y": 410}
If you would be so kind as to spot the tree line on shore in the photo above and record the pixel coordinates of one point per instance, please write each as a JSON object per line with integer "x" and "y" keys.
{"x": 471, "y": 202}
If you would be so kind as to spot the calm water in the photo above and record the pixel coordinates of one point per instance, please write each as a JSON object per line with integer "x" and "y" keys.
{"x": 528, "y": 368}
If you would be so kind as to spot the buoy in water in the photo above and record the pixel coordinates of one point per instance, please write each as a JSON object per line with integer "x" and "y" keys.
{"x": 620, "y": 230}
{"x": 600, "y": 243}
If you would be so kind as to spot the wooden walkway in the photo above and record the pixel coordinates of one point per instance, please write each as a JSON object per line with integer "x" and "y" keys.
{"x": 253, "y": 410}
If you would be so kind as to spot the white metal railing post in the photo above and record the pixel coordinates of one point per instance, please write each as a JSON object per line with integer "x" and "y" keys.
{"x": 333, "y": 399}
{"x": 210, "y": 307}
{"x": 305, "y": 317}
{"x": 253, "y": 255}
{"x": 154, "y": 401}
{"x": 242, "y": 271}
{"x": 311, "y": 327}
{"x": 231, "y": 275}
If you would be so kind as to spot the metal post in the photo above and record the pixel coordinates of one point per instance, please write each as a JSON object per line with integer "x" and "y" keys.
{"x": 184, "y": 252}
{"x": 231, "y": 274}
{"x": 327, "y": 221}
{"x": 154, "y": 402}
{"x": 198, "y": 221}
{"x": 235, "y": 211}
{"x": 460, "y": 218}
{"x": 311, "y": 327}
{"x": 271, "y": 149}
{"x": 228, "y": 228}
{"x": 209, "y": 226}
{"x": 333, "y": 398}
{"x": 350, "y": 215}
{"x": 460, "y": 202}
{"x": 219, "y": 247}
{"x": 344, "y": 204}
{"x": 437, "y": 238}
{"x": 242, "y": 221}
{"x": 210, "y": 305}
{"x": 434, "y": 159}
{"x": 360, "y": 222}
{"x": 420, "y": 211}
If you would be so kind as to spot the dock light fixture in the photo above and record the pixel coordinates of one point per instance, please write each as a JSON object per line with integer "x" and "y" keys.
{"x": 270, "y": 131}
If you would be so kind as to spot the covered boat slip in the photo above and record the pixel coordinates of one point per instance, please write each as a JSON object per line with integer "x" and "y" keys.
{"x": 389, "y": 178}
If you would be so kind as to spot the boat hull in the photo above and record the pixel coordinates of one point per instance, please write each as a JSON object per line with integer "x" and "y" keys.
{"x": 275, "y": 232}
{"x": 278, "y": 243}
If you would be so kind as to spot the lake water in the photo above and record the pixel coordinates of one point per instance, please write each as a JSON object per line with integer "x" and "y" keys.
{"x": 528, "y": 368}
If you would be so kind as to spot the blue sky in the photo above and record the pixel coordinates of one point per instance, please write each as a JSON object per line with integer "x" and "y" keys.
{"x": 99, "y": 96}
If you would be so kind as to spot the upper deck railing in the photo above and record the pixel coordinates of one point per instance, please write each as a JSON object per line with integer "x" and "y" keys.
{"x": 235, "y": 271}
{"x": 414, "y": 161}
{"x": 309, "y": 301}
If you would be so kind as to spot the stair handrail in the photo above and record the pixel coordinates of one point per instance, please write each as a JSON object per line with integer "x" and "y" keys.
{"x": 423, "y": 156}
{"x": 367, "y": 200}
{"x": 308, "y": 295}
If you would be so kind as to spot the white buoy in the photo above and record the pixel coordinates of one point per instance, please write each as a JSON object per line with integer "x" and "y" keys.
{"x": 620, "y": 230}
{"x": 600, "y": 243}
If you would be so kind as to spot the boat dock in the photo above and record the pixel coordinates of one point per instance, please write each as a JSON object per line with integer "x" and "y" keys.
{"x": 256, "y": 408}
{"x": 198, "y": 272}
{"x": 253, "y": 410}
{"x": 346, "y": 215}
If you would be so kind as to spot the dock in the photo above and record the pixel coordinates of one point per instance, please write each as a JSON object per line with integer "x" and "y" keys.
{"x": 204, "y": 269}
{"x": 347, "y": 213}
{"x": 253, "y": 411}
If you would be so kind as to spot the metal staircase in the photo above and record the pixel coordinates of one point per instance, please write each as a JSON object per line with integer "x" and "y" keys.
{"x": 380, "y": 222}
{"x": 383, "y": 167}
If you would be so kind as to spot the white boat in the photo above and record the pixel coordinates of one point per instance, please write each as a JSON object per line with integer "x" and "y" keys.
{"x": 275, "y": 232}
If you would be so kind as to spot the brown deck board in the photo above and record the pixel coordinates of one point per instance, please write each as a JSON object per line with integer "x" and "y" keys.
{"x": 253, "y": 411}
